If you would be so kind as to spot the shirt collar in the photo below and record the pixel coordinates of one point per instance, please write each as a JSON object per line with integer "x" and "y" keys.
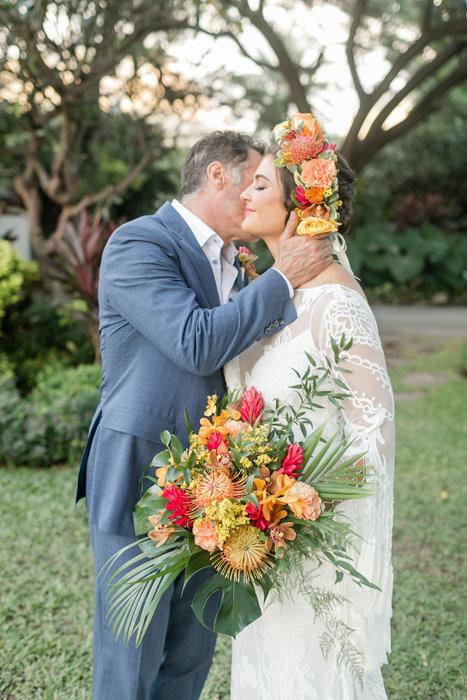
{"x": 204, "y": 233}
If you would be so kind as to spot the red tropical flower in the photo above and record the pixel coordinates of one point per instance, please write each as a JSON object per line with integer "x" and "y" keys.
{"x": 256, "y": 516}
{"x": 180, "y": 504}
{"x": 251, "y": 405}
{"x": 301, "y": 198}
{"x": 215, "y": 440}
{"x": 293, "y": 461}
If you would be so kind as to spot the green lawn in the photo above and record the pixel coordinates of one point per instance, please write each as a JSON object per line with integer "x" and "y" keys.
{"x": 45, "y": 559}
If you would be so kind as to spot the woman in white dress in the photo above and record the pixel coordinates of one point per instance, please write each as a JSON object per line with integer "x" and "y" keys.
{"x": 286, "y": 654}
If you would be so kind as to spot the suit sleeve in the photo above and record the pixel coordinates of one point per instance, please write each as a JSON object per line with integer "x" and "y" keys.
{"x": 142, "y": 281}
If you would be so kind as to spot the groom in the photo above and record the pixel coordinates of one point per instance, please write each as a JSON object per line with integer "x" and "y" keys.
{"x": 173, "y": 310}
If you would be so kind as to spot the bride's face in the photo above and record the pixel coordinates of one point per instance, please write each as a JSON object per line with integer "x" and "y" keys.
{"x": 265, "y": 213}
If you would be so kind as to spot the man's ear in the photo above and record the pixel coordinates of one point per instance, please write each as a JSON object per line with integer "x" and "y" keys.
{"x": 216, "y": 174}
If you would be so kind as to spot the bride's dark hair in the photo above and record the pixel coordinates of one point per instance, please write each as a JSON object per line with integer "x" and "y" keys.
{"x": 345, "y": 178}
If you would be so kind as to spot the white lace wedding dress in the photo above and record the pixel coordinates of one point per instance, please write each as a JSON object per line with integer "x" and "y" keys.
{"x": 278, "y": 657}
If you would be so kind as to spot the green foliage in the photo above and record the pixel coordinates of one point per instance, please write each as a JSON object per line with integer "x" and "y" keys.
{"x": 420, "y": 262}
{"x": 429, "y": 160}
{"x": 50, "y": 425}
{"x": 14, "y": 273}
{"x": 37, "y": 333}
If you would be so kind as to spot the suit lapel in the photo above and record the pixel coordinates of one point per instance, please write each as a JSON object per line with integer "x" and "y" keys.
{"x": 191, "y": 249}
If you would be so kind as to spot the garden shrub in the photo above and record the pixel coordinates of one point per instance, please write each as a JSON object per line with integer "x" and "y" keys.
{"x": 37, "y": 334}
{"x": 50, "y": 425}
{"x": 417, "y": 262}
{"x": 14, "y": 272}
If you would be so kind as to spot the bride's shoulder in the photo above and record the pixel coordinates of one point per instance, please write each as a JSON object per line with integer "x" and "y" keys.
{"x": 334, "y": 280}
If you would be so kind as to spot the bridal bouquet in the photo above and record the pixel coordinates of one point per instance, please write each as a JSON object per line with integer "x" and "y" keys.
{"x": 243, "y": 498}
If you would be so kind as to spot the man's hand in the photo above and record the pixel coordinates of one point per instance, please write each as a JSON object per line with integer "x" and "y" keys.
{"x": 301, "y": 258}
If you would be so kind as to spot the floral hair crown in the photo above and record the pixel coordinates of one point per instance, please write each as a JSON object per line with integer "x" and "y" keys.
{"x": 306, "y": 152}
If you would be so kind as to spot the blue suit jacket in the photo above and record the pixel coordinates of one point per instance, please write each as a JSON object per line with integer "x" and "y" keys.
{"x": 164, "y": 340}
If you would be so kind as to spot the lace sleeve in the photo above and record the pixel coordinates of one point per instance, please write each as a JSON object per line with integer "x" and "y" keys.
{"x": 368, "y": 414}
{"x": 369, "y": 411}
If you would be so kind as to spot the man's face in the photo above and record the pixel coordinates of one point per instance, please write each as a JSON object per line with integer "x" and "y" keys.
{"x": 233, "y": 208}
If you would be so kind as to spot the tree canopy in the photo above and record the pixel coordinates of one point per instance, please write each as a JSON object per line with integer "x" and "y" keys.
{"x": 422, "y": 44}
{"x": 83, "y": 96}
{"x": 87, "y": 83}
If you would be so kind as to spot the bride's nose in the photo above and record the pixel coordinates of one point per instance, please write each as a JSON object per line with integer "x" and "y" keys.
{"x": 245, "y": 195}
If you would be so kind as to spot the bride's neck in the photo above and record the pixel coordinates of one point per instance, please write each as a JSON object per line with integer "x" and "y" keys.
{"x": 273, "y": 246}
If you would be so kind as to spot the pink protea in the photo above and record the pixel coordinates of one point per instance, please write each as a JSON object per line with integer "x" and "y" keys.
{"x": 305, "y": 502}
{"x": 251, "y": 405}
{"x": 319, "y": 172}
{"x": 256, "y": 516}
{"x": 180, "y": 504}
{"x": 293, "y": 461}
{"x": 206, "y": 536}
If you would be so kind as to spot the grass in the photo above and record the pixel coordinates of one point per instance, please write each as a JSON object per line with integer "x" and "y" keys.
{"x": 47, "y": 572}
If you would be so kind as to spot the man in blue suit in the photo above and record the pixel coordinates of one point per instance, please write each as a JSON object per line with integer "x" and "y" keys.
{"x": 173, "y": 310}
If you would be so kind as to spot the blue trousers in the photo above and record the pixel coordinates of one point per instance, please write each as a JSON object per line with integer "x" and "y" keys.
{"x": 174, "y": 658}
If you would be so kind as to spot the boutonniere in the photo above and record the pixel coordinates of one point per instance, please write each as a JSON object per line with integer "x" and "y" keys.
{"x": 247, "y": 262}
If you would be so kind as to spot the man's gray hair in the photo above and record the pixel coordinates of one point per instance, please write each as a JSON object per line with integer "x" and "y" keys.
{"x": 228, "y": 147}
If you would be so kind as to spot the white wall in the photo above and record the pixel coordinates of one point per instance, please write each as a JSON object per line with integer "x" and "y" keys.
{"x": 18, "y": 225}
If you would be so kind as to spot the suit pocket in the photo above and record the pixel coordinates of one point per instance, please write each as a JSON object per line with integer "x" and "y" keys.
{"x": 137, "y": 421}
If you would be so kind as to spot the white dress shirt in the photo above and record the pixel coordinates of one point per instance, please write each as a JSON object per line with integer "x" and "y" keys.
{"x": 221, "y": 256}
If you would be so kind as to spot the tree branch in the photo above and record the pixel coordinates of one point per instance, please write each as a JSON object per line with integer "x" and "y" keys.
{"x": 360, "y": 7}
{"x": 287, "y": 66}
{"x": 90, "y": 200}
{"x": 427, "y": 13}
{"x": 366, "y": 149}
{"x": 230, "y": 35}
{"x": 444, "y": 30}
{"x": 415, "y": 81}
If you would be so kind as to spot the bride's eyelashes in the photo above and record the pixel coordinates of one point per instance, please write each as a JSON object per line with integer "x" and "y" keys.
{"x": 260, "y": 188}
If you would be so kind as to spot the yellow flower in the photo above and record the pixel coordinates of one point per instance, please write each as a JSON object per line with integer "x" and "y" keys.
{"x": 263, "y": 459}
{"x": 246, "y": 463}
{"x": 211, "y": 407}
{"x": 228, "y": 515}
{"x": 243, "y": 555}
{"x": 312, "y": 225}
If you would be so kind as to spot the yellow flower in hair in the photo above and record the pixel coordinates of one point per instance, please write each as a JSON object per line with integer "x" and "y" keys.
{"x": 312, "y": 226}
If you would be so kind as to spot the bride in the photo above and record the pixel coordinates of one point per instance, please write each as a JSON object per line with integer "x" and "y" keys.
{"x": 287, "y": 653}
